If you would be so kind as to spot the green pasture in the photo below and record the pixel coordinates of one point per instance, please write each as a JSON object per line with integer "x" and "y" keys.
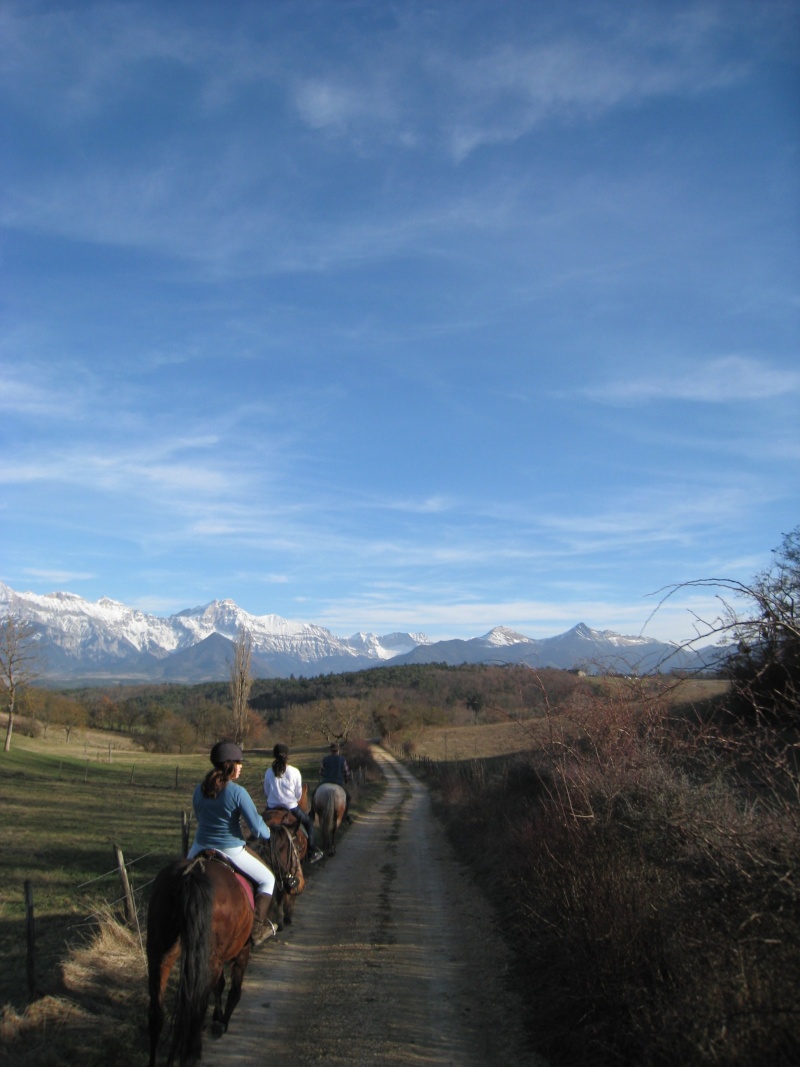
{"x": 62, "y": 815}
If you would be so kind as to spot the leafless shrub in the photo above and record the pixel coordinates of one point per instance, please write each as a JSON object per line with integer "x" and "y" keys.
{"x": 652, "y": 891}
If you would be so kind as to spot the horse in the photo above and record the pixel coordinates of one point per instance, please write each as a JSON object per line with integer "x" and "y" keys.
{"x": 283, "y": 853}
{"x": 199, "y": 909}
{"x": 329, "y": 805}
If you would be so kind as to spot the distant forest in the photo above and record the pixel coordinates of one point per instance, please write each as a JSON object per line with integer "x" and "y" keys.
{"x": 382, "y": 701}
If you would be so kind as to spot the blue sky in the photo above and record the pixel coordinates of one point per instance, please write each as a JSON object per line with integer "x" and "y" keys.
{"x": 426, "y": 316}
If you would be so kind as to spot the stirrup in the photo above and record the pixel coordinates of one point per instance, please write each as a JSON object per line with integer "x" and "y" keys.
{"x": 266, "y": 930}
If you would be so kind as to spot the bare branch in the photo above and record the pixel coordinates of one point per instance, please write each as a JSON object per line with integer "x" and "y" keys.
{"x": 18, "y": 664}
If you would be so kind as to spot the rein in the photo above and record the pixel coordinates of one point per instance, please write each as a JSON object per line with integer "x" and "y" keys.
{"x": 286, "y": 876}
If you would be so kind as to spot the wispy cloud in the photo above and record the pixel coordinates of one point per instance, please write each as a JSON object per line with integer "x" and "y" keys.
{"x": 23, "y": 398}
{"x": 59, "y": 578}
{"x": 729, "y": 379}
{"x": 462, "y": 618}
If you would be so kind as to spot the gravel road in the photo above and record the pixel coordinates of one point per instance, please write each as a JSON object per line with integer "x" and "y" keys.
{"x": 393, "y": 958}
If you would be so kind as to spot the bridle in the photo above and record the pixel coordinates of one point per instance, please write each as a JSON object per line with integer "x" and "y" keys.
{"x": 286, "y": 875}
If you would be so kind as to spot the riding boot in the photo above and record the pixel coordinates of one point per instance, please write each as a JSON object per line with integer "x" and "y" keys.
{"x": 262, "y": 927}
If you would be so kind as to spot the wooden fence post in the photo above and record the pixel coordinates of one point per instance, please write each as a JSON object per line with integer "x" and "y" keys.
{"x": 130, "y": 907}
{"x": 133, "y": 768}
{"x": 30, "y": 929}
{"x": 177, "y": 772}
{"x": 185, "y": 833}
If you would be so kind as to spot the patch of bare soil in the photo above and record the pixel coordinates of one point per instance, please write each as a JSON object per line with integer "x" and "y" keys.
{"x": 394, "y": 957}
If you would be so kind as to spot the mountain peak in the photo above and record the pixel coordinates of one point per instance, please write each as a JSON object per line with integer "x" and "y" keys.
{"x": 504, "y": 635}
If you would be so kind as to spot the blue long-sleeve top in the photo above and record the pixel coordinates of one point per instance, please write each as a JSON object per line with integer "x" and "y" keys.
{"x": 218, "y": 818}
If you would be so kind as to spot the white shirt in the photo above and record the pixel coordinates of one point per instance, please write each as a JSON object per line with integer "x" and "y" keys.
{"x": 283, "y": 792}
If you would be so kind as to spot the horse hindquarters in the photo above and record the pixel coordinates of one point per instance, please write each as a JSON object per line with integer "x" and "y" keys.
{"x": 195, "y": 911}
{"x": 163, "y": 945}
{"x": 329, "y": 804}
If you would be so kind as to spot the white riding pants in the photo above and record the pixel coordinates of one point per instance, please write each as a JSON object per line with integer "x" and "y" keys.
{"x": 247, "y": 864}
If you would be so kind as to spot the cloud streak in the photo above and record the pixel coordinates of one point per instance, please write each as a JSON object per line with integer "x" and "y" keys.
{"x": 726, "y": 380}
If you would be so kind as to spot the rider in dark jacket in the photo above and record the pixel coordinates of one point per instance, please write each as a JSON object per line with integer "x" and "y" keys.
{"x": 334, "y": 769}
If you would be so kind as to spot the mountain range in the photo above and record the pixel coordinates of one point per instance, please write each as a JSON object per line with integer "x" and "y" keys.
{"x": 103, "y": 641}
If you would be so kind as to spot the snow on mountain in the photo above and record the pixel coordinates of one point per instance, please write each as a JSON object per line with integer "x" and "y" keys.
{"x": 582, "y": 632}
{"x": 78, "y": 624}
{"x": 102, "y": 640}
{"x": 502, "y": 635}
{"x": 79, "y": 634}
{"x": 386, "y": 647}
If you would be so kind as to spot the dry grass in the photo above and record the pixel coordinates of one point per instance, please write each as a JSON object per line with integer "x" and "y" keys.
{"x": 99, "y": 1016}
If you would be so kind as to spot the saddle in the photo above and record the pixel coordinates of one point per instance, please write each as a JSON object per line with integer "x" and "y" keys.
{"x": 247, "y": 884}
{"x": 282, "y": 817}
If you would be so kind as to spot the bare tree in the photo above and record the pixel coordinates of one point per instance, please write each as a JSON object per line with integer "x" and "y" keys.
{"x": 17, "y": 664}
{"x": 339, "y": 724}
{"x": 759, "y": 628}
{"x": 241, "y": 684}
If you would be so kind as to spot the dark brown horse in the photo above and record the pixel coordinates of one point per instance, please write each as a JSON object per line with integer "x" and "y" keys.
{"x": 329, "y": 805}
{"x": 284, "y": 854}
{"x": 199, "y": 910}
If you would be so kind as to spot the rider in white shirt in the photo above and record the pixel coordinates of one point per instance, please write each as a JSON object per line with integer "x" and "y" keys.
{"x": 283, "y": 788}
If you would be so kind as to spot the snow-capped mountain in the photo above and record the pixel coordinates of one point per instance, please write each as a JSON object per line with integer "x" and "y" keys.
{"x": 580, "y": 648}
{"x": 105, "y": 640}
{"x": 83, "y": 639}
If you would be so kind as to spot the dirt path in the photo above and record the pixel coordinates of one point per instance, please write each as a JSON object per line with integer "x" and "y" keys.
{"x": 392, "y": 959}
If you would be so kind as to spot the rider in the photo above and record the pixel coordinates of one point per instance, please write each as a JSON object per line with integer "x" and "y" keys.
{"x": 219, "y": 803}
{"x": 283, "y": 788}
{"x": 334, "y": 769}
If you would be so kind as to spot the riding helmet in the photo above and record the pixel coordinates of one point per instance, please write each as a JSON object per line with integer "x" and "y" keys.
{"x": 226, "y": 752}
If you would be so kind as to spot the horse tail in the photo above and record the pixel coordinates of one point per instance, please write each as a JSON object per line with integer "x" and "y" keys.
{"x": 195, "y": 910}
{"x": 329, "y": 819}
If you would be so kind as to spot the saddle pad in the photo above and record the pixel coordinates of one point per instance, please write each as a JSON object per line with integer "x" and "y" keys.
{"x": 247, "y": 886}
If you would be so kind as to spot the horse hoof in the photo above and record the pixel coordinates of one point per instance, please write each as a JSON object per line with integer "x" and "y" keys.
{"x": 217, "y": 1030}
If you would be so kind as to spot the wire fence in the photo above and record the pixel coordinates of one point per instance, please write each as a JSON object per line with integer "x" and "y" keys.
{"x": 130, "y": 900}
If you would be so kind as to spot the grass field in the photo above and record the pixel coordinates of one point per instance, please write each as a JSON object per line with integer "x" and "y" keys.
{"x": 64, "y": 808}
{"x": 486, "y": 740}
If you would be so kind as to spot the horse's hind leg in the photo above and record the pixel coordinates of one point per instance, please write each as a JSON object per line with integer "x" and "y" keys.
{"x": 158, "y": 971}
{"x": 238, "y": 967}
{"x": 217, "y": 1026}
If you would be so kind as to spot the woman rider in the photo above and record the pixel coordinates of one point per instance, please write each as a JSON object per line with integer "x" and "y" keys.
{"x": 218, "y": 804}
{"x": 283, "y": 788}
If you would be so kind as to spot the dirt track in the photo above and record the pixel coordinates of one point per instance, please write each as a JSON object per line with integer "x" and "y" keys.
{"x": 392, "y": 958}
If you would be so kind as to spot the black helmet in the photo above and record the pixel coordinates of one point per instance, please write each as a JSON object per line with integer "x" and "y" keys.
{"x": 280, "y": 750}
{"x": 226, "y": 752}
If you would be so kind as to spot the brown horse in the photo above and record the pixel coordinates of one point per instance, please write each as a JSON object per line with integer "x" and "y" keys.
{"x": 329, "y": 806}
{"x": 284, "y": 853}
{"x": 199, "y": 910}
